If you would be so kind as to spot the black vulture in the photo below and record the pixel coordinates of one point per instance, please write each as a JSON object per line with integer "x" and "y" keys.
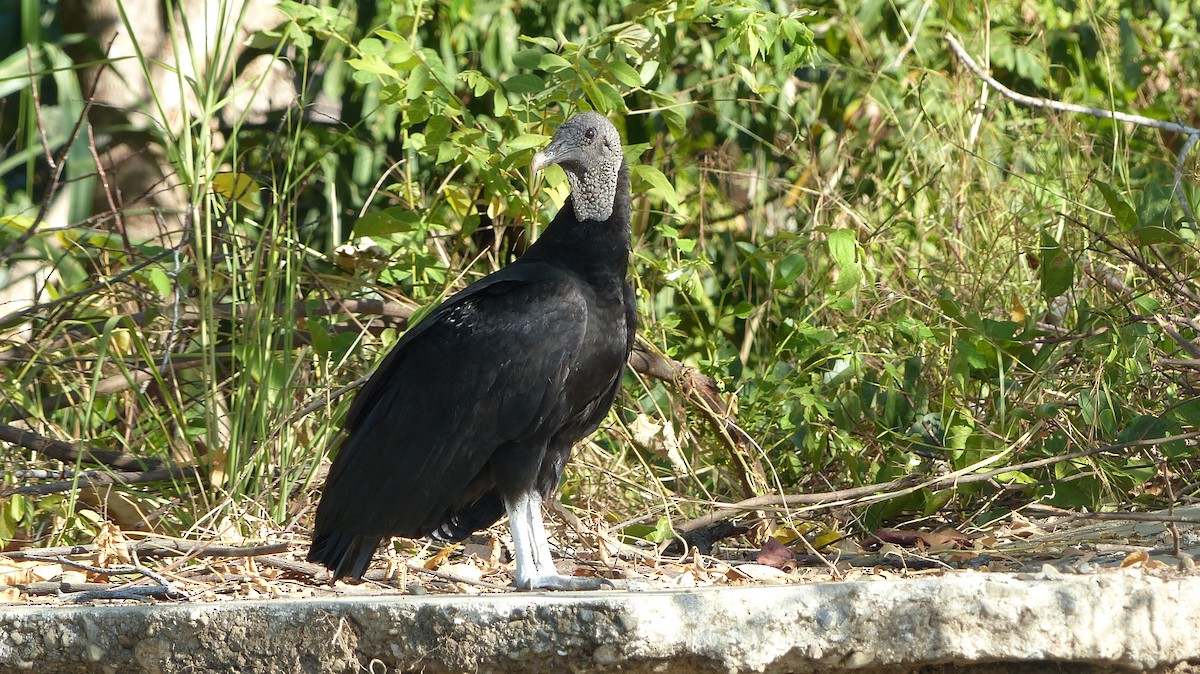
{"x": 474, "y": 412}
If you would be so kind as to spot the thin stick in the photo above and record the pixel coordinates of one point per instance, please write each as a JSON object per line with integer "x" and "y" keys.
{"x": 912, "y": 35}
{"x": 163, "y": 583}
{"x": 70, "y": 452}
{"x": 37, "y": 110}
{"x": 138, "y": 592}
{"x": 166, "y": 547}
{"x": 317, "y": 569}
{"x": 94, "y": 479}
{"x": 1034, "y": 102}
{"x": 908, "y": 485}
{"x": 1069, "y": 515}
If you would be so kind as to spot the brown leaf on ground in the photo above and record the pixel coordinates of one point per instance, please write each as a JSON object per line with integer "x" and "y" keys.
{"x": 111, "y": 547}
{"x": 777, "y": 555}
{"x": 946, "y": 538}
{"x": 942, "y": 539}
{"x": 1021, "y": 527}
{"x": 1137, "y": 558}
{"x": 465, "y": 570}
{"x": 758, "y": 572}
{"x": 435, "y": 561}
{"x": 22, "y": 572}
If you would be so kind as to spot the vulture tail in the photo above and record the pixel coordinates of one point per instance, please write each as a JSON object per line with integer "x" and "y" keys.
{"x": 344, "y": 554}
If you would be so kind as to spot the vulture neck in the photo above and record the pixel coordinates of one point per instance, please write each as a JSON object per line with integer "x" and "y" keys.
{"x": 598, "y": 250}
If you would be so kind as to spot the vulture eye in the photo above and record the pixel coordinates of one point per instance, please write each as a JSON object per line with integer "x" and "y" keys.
{"x": 590, "y": 135}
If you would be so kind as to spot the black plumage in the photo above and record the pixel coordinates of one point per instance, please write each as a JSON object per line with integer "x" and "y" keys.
{"x": 474, "y": 412}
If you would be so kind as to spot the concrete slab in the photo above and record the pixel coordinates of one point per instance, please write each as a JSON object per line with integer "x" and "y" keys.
{"x": 978, "y": 622}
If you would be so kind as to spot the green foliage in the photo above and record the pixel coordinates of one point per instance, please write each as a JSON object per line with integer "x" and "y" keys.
{"x": 890, "y": 274}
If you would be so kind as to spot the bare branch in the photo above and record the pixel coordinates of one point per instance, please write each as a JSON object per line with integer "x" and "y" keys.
{"x": 888, "y": 490}
{"x": 701, "y": 390}
{"x": 170, "y": 547}
{"x": 93, "y": 479}
{"x": 72, "y": 452}
{"x": 163, "y": 584}
{"x": 1191, "y": 132}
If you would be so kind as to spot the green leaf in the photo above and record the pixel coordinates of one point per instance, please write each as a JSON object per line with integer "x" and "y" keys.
{"x": 526, "y": 141}
{"x": 237, "y": 187}
{"x": 662, "y": 531}
{"x": 527, "y": 59}
{"x": 418, "y": 110}
{"x": 547, "y": 43}
{"x": 318, "y": 330}
{"x": 1186, "y": 412}
{"x": 385, "y": 222}
{"x": 161, "y": 282}
{"x": 478, "y": 84}
{"x": 616, "y": 100}
{"x": 1057, "y": 270}
{"x": 524, "y": 84}
{"x": 436, "y": 129}
{"x": 790, "y": 268}
{"x": 625, "y": 74}
{"x": 447, "y": 152}
{"x": 1147, "y": 427}
{"x": 371, "y": 47}
{"x": 659, "y": 185}
{"x": 18, "y": 507}
{"x": 417, "y": 80}
{"x": 16, "y": 223}
{"x": 372, "y": 65}
{"x": 1126, "y": 217}
{"x": 843, "y": 247}
{"x": 1149, "y": 236}
{"x": 649, "y": 70}
{"x": 747, "y": 76}
{"x": 553, "y": 63}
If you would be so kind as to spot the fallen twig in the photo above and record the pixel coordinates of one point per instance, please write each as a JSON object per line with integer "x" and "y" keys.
{"x": 97, "y": 479}
{"x": 888, "y": 490}
{"x": 61, "y": 587}
{"x": 72, "y": 452}
{"x": 169, "y": 547}
{"x": 137, "y": 592}
{"x": 163, "y": 587}
{"x": 1109, "y": 516}
{"x": 376, "y": 575}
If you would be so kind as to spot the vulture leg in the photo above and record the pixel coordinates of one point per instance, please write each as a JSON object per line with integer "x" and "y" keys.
{"x": 531, "y": 549}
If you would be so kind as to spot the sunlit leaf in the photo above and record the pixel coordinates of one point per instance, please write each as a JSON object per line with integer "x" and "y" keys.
{"x": 659, "y": 185}
{"x": 237, "y": 187}
{"x": 625, "y": 74}
{"x": 843, "y": 246}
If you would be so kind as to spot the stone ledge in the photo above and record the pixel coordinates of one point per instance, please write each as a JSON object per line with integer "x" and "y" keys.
{"x": 977, "y": 622}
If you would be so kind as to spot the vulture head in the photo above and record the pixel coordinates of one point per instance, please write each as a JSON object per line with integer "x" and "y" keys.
{"x": 588, "y": 148}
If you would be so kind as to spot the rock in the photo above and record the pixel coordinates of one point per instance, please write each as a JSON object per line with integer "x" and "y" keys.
{"x": 978, "y": 622}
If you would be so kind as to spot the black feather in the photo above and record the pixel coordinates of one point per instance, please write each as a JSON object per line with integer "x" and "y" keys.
{"x": 485, "y": 398}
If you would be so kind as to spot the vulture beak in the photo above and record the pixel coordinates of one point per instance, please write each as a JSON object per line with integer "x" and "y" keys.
{"x": 546, "y": 157}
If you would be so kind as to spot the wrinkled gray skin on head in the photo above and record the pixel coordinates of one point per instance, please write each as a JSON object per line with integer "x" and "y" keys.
{"x": 588, "y": 148}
